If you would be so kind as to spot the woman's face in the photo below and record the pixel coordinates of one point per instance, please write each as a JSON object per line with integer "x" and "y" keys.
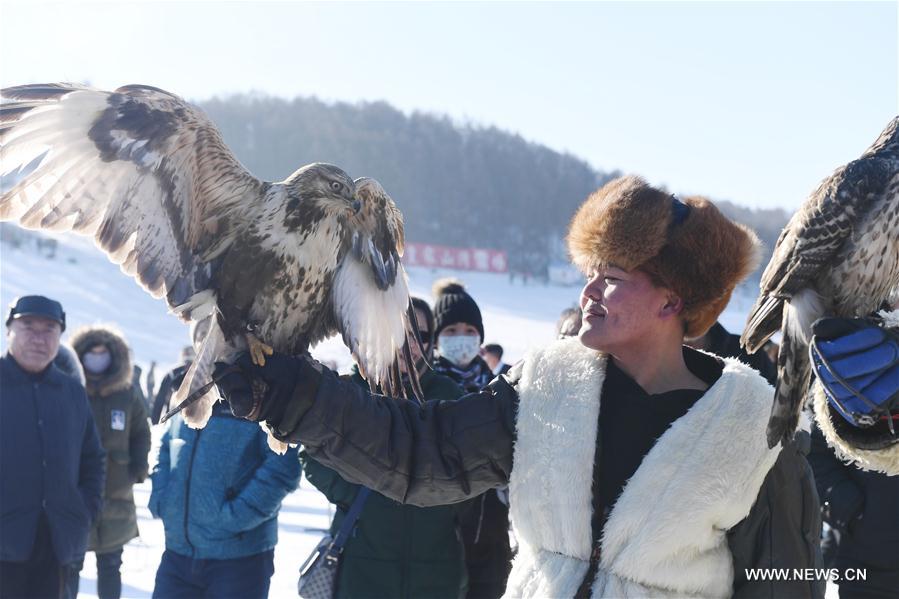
{"x": 96, "y": 360}
{"x": 459, "y": 343}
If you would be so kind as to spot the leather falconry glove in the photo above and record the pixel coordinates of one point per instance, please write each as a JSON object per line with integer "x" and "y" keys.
{"x": 258, "y": 392}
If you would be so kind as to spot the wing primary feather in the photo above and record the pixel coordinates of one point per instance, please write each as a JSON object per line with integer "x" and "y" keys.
{"x": 413, "y": 324}
{"x": 399, "y": 387}
{"x": 412, "y": 371}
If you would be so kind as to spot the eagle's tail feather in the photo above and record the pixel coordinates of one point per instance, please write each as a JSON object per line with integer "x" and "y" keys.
{"x": 794, "y": 373}
{"x": 763, "y": 321}
{"x": 197, "y": 414}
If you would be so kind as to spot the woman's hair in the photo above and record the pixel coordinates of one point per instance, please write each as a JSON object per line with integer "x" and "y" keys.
{"x": 422, "y": 306}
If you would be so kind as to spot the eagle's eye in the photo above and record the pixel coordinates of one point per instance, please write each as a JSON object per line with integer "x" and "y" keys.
{"x": 336, "y": 186}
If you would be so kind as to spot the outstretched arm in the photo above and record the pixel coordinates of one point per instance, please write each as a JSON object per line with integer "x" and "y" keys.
{"x": 433, "y": 454}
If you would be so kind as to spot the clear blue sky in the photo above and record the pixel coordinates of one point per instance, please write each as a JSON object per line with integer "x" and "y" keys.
{"x": 751, "y": 102}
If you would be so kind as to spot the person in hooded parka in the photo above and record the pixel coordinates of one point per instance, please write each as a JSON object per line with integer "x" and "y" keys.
{"x": 121, "y": 419}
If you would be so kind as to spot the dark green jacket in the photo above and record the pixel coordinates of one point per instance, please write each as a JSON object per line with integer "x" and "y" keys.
{"x": 124, "y": 430}
{"x": 396, "y": 550}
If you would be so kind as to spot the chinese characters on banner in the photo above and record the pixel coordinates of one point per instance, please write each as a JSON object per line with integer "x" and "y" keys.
{"x": 441, "y": 256}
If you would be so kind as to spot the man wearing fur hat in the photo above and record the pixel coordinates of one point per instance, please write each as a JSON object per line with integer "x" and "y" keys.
{"x": 121, "y": 419}
{"x": 636, "y": 467}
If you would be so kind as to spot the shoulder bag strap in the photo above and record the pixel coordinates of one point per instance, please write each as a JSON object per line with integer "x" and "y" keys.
{"x": 346, "y": 527}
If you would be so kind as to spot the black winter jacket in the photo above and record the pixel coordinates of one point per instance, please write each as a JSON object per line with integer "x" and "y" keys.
{"x": 51, "y": 460}
{"x": 864, "y": 507}
{"x": 170, "y": 383}
{"x": 447, "y": 452}
{"x": 723, "y": 343}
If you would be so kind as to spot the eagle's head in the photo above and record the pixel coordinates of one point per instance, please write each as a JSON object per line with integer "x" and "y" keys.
{"x": 323, "y": 189}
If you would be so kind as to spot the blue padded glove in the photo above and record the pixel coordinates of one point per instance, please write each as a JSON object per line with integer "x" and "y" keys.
{"x": 857, "y": 363}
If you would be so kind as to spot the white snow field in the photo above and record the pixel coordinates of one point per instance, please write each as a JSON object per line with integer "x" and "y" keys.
{"x": 92, "y": 290}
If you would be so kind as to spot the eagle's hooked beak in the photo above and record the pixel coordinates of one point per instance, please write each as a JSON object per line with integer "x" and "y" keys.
{"x": 357, "y": 206}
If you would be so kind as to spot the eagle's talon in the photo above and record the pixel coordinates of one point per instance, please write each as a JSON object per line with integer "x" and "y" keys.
{"x": 258, "y": 350}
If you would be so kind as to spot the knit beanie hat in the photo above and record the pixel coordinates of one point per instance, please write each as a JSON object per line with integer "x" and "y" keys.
{"x": 687, "y": 246}
{"x": 452, "y": 304}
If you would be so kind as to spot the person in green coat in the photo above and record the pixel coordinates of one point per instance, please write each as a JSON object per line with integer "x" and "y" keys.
{"x": 121, "y": 418}
{"x": 396, "y": 550}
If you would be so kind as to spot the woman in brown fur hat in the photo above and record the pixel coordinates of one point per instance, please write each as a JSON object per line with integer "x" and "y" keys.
{"x": 124, "y": 429}
{"x": 668, "y": 490}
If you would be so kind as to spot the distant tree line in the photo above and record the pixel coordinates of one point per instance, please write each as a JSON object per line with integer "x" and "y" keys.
{"x": 456, "y": 184}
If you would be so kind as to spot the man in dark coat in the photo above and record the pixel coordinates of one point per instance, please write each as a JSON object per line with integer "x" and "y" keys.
{"x": 121, "y": 418}
{"x": 51, "y": 460}
{"x": 722, "y": 342}
{"x": 493, "y": 355}
{"x": 170, "y": 383}
{"x": 668, "y": 490}
{"x": 863, "y": 507}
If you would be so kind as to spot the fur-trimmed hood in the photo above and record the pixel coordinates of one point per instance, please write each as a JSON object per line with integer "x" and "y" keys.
{"x": 689, "y": 245}
{"x": 118, "y": 376}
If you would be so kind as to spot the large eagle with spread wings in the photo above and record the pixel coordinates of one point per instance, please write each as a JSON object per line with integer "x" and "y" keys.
{"x": 838, "y": 256}
{"x": 272, "y": 265}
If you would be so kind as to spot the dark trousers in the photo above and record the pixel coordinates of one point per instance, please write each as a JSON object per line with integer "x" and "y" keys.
{"x": 109, "y": 576}
{"x": 182, "y": 577}
{"x": 40, "y": 576}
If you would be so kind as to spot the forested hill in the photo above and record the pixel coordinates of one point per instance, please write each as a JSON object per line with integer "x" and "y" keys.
{"x": 456, "y": 184}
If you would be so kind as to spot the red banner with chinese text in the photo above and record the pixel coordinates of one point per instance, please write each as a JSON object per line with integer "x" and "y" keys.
{"x": 441, "y": 256}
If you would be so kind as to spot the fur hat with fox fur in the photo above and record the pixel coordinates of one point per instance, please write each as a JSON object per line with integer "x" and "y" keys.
{"x": 687, "y": 246}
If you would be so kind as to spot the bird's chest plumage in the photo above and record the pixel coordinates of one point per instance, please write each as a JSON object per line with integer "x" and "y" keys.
{"x": 867, "y": 269}
{"x": 292, "y": 300}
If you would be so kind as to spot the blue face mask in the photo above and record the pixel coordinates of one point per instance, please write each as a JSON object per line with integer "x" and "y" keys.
{"x": 459, "y": 349}
{"x": 96, "y": 363}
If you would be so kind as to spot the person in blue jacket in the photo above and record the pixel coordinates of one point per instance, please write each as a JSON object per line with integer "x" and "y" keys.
{"x": 218, "y": 491}
{"x": 51, "y": 460}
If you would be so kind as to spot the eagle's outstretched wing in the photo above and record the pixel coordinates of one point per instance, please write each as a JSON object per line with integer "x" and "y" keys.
{"x": 144, "y": 172}
{"x": 370, "y": 296}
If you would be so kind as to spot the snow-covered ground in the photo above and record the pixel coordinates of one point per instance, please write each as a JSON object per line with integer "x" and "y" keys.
{"x": 93, "y": 290}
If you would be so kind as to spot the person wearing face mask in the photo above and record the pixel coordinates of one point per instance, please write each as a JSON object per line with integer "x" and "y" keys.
{"x": 397, "y": 550}
{"x": 121, "y": 419}
{"x": 459, "y": 329}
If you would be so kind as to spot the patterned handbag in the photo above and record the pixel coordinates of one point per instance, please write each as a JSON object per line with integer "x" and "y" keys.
{"x": 318, "y": 574}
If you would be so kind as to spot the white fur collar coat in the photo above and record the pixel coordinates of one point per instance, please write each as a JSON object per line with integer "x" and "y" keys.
{"x": 665, "y": 537}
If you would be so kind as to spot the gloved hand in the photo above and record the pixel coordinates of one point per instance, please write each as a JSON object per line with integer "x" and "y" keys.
{"x": 258, "y": 392}
{"x": 857, "y": 363}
